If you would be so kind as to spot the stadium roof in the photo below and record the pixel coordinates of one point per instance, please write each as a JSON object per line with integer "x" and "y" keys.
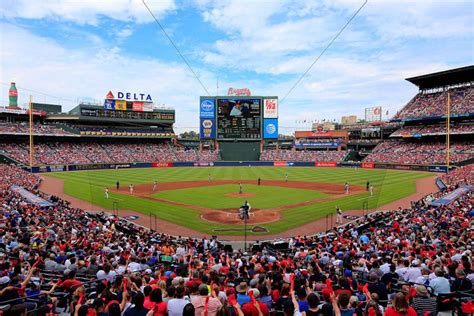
{"x": 444, "y": 78}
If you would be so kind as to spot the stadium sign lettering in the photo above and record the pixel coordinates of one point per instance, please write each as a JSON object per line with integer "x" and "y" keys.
{"x": 242, "y": 91}
{"x": 134, "y": 96}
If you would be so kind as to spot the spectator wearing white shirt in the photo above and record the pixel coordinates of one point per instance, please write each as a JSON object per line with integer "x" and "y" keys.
{"x": 440, "y": 284}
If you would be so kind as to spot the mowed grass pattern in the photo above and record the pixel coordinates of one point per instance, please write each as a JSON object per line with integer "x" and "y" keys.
{"x": 390, "y": 185}
{"x": 215, "y": 196}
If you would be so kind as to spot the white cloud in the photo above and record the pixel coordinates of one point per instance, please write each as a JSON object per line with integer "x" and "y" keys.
{"x": 85, "y": 11}
{"x": 72, "y": 75}
{"x": 124, "y": 33}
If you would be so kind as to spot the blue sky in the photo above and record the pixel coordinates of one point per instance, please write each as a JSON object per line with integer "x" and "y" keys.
{"x": 78, "y": 50}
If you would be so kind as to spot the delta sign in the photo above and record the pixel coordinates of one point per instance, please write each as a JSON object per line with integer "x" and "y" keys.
{"x": 129, "y": 96}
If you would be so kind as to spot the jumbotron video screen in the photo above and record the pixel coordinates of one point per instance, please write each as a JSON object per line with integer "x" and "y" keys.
{"x": 239, "y": 118}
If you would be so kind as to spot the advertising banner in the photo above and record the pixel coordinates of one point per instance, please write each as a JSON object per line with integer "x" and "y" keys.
{"x": 438, "y": 169}
{"x": 373, "y": 114}
{"x": 281, "y": 164}
{"x": 207, "y": 129}
{"x": 137, "y": 106}
{"x": 121, "y": 105}
{"x": 317, "y": 144}
{"x": 161, "y": 164}
{"x": 270, "y": 108}
{"x": 367, "y": 165}
{"x": 109, "y": 104}
{"x": 327, "y": 164}
{"x": 270, "y": 128}
{"x": 206, "y": 108}
{"x": 147, "y": 107}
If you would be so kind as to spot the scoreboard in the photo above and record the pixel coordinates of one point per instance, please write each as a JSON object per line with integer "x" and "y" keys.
{"x": 238, "y": 117}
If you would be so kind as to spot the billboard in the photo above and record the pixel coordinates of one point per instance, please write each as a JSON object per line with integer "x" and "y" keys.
{"x": 239, "y": 117}
{"x": 373, "y": 114}
{"x": 207, "y": 128}
{"x": 109, "y": 104}
{"x": 206, "y": 108}
{"x": 137, "y": 106}
{"x": 270, "y": 108}
{"x": 327, "y": 164}
{"x": 121, "y": 105}
{"x": 270, "y": 128}
{"x": 147, "y": 107}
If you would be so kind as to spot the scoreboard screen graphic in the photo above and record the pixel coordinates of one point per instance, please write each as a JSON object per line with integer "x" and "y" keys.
{"x": 239, "y": 118}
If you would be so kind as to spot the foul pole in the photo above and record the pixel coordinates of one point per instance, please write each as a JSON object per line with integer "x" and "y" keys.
{"x": 30, "y": 114}
{"x": 448, "y": 129}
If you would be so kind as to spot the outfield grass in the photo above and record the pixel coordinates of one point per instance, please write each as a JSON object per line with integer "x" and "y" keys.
{"x": 215, "y": 196}
{"x": 390, "y": 185}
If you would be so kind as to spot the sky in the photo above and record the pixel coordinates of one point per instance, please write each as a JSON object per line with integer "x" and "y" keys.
{"x": 66, "y": 51}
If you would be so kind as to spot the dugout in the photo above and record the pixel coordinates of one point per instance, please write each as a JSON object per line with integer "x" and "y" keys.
{"x": 239, "y": 151}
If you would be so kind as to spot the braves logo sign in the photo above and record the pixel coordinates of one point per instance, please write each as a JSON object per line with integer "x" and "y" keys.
{"x": 242, "y": 91}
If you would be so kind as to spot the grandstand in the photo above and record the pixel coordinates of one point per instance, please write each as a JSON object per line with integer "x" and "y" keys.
{"x": 422, "y": 138}
{"x": 99, "y": 257}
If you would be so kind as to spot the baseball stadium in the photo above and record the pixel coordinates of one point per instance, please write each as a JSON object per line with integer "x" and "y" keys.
{"x": 109, "y": 207}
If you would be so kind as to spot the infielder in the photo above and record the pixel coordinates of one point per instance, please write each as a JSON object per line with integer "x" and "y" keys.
{"x": 241, "y": 188}
{"x": 371, "y": 190}
{"x": 155, "y": 186}
{"x": 286, "y": 177}
{"x": 346, "y": 188}
{"x": 130, "y": 188}
{"x": 106, "y": 193}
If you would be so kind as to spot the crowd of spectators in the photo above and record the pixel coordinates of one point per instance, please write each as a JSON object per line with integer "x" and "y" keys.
{"x": 459, "y": 177}
{"x": 208, "y": 155}
{"x": 38, "y": 129}
{"x": 434, "y": 104}
{"x": 302, "y": 155}
{"x": 434, "y": 130}
{"x": 90, "y": 152}
{"x": 399, "y": 151}
{"x": 414, "y": 261}
{"x": 110, "y": 152}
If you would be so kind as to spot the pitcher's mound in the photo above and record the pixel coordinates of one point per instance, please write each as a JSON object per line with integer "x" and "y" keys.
{"x": 237, "y": 194}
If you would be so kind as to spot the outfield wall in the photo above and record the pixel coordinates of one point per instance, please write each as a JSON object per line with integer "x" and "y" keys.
{"x": 317, "y": 164}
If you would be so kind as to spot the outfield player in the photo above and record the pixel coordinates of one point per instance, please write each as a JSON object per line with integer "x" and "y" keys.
{"x": 209, "y": 177}
{"x": 155, "y": 185}
{"x": 286, "y": 177}
{"x": 130, "y": 188}
{"x": 371, "y": 190}
{"x": 241, "y": 188}
{"x": 117, "y": 185}
{"x": 106, "y": 193}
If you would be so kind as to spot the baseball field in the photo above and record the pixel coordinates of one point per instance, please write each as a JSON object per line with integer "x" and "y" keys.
{"x": 206, "y": 199}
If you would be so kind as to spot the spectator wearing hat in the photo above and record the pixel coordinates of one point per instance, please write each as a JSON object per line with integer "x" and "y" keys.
{"x": 413, "y": 272}
{"x": 242, "y": 296}
{"x": 423, "y": 303}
